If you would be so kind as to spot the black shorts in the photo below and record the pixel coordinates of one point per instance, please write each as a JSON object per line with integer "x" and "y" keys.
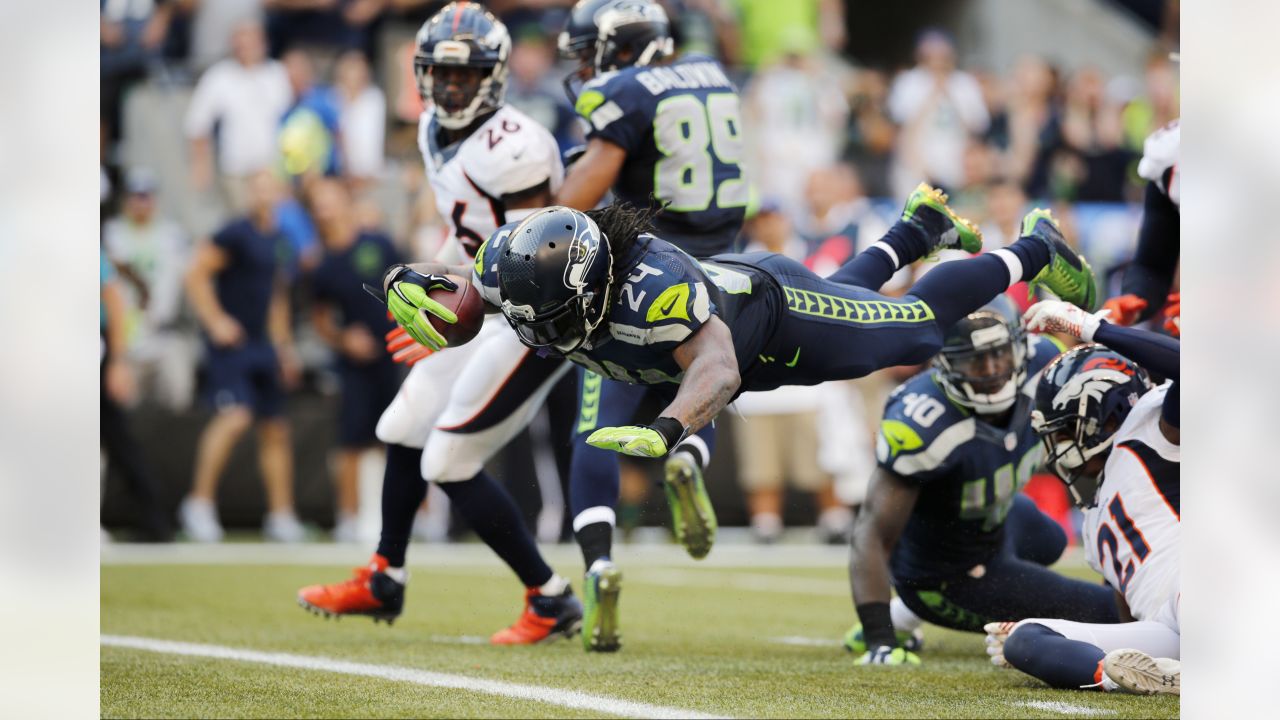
{"x": 245, "y": 376}
{"x": 367, "y": 390}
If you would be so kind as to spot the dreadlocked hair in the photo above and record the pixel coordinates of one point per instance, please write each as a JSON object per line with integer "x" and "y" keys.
{"x": 623, "y": 224}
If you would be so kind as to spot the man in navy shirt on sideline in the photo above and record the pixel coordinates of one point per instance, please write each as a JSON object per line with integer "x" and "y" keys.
{"x": 236, "y": 289}
{"x": 353, "y": 325}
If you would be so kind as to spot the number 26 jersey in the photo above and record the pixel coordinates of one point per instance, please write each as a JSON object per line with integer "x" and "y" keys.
{"x": 508, "y": 153}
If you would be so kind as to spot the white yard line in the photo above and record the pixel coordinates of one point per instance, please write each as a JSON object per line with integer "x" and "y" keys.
{"x": 551, "y": 696}
{"x": 1063, "y": 708}
{"x": 806, "y": 641}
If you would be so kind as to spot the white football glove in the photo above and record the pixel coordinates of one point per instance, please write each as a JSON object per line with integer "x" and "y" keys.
{"x": 1063, "y": 317}
{"x": 997, "y": 633}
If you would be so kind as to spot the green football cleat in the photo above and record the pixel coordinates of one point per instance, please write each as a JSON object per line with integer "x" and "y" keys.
{"x": 600, "y": 608}
{"x": 692, "y": 516}
{"x": 927, "y": 209}
{"x": 1067, "y": 275}
{"x": 854, "y": 642}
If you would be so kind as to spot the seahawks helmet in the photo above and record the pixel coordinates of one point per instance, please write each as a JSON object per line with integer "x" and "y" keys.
{"x": 599, "y": 32}
{"x": 1082, "y": 398}
{"x": 554, "y": 276}
{"x": 983, "y": 362}
{"x": 463, "y": 34}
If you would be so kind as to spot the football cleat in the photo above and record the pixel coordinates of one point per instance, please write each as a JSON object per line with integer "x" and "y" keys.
{"x": 545, "y": 618}
{"x": 1138, "y": 673}
{"x": 1067, "y": 275}
{"x": 692, "y": 516}
{"x": 600, "y": 607}
{"x": 855, "y": 643}
{"x": 370, "y": 591}
{"x": 927, "y": 209}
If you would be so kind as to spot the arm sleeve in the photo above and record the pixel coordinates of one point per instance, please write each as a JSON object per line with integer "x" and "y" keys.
{"x": 913, "y": 453}
{"x": 1158, "y": 353}
{"x": 1159, "y": 239}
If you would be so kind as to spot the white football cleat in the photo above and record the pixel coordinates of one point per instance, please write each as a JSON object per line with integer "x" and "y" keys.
{"x": 1139, "y": 673}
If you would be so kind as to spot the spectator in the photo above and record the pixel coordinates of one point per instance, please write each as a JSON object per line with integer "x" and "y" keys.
{"x": 871, "y": 134}
{"x": 842, "y": 222}
{"x": 770, "y": 28}
{"x": 150, "y": 253}
{"x": 777, "y": 440}
{"x": 938, "y": 108}
{"x": 330, "y": 24}
{"x": 352, "y": 324}
{"x": 1032, "y": 111}
{"x": 122, "y": 451}
{"x": 362, "y": 119}
{"x": 213, "y": 26}
{"x": 309, "y": 128}
{"x": 536, "y": 91}
{"x": 235, "y": 286}
{"x": 245, "y": 96}
{"x": 132, "y": 35}
{"x": 794, "y": 122}
{"x": 1083, "y": 157}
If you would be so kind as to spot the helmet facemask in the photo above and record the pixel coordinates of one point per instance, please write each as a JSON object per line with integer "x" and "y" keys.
{"x": 985, "y": 370}
{"x": 1068, "y": 452}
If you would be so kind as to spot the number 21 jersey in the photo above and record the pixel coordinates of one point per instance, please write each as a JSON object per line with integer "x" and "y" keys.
{"x": 507, "y": 154}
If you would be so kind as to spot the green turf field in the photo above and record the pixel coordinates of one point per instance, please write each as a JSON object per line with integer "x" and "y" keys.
{"x": 756, "y": 639}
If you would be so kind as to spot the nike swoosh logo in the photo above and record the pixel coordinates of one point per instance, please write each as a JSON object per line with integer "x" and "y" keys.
{"x": 670, "y": 306}
{"x": 795, "y": 359}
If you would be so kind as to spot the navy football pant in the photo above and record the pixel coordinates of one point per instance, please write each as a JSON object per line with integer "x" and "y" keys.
{"x": 593, "y": 472}
{"x": 1015, "y": 584}
{"x": 1049, "y": 655}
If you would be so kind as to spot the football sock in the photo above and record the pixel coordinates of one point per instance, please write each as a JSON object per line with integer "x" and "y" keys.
{"x": 402, "y": 492}
{"x": 871, "y": 268}
{"x": 1062, "y": 663}
{"x": 593, "y": 529}
{"x": 952, "y": 290}
{"x": 398, "y": 574}
{"x": 903, "y": 619}
{"x": 493, "y": 515}
{"x": 1032, "y": 256}
{"x": 555, "y": 586}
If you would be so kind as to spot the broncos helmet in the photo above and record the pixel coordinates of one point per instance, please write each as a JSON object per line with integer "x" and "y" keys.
{"x": 1082, "y": 398}
{"x": 463, "y": 34}
{"x": 554, "y": 276}
{"x": 983, "y": 362}
{"x": 599, "y": 32}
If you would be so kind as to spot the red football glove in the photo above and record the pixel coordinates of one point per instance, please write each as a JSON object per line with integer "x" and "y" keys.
{"x": 404, "y": 349}
{"x": 1173, "y": 315}
{"x": 1124, "y": 309}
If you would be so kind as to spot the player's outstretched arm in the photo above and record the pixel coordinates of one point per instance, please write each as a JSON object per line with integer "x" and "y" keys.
{"x": 710, "y": 380}
{"x": 592, "y": 175}
{"x": 880, "y": 523}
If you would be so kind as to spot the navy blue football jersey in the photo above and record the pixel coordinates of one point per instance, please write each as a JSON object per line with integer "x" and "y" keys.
{"x": 968, "y": 470}
{"x": 666, "y": 297}
{"x": 681, "y": 127}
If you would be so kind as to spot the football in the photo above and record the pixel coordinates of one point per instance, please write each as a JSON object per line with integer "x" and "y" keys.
{"x": 467, "y": 304}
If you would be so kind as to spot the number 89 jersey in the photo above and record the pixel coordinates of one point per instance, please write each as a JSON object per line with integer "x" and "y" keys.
{"x": 681, "y": 127}
{"x": 1131, "y": 534}
{"x": 507, "y": 154}
{"x": 968, "y": 471}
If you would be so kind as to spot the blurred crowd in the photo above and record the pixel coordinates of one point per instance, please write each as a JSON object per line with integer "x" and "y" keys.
{"x": 237, "y": 125}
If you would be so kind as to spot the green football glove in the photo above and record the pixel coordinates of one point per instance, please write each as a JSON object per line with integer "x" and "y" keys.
{"x": 409, "y": 305}
{"x": 885, "y": 655}
{"x": 652, "y": 441}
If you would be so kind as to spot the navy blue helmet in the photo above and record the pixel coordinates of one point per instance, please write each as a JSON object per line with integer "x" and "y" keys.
{"x": 554, "y": 276}
{"x": 1082, "y": 398}
{"x": 607, "y": 35}
{"x": 463, "y": 35}
{"x": 983, "y": 362}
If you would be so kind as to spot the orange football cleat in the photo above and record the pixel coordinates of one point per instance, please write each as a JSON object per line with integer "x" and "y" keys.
{"x": 544, "y": 618}
{"x": 1125, "y": 309}
{"x": 370, "y": 591}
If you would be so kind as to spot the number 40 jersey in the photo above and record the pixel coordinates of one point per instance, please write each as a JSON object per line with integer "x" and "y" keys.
{"x": 507, "y": 154}
{"x": 681, "y": 127}
{"x": 968, "y": 471}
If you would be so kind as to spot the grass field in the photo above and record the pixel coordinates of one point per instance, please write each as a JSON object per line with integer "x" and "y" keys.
{"x": 749, "y": 633}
